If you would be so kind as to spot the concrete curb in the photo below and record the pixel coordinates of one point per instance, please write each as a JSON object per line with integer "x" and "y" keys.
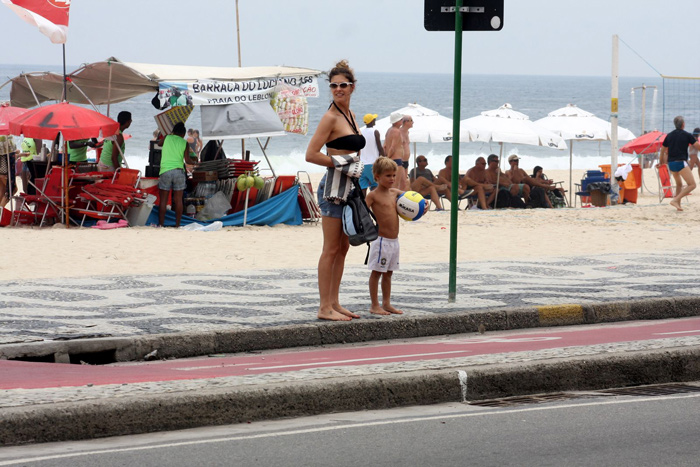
{"x": 85, "y": 420}
{"x": 193, "y": 344}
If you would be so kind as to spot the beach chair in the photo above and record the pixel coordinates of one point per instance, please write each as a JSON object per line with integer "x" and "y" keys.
{"x": 666, "y": 185}
{"x": 310, "y": 211}
{"x": 108, "y": 200}
{"x": 43, "y": 206}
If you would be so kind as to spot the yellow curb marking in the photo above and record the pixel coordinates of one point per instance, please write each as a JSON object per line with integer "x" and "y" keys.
{"x": 560, "y": 313}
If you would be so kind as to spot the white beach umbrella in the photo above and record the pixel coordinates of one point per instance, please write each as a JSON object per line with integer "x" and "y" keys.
{"x": 505, "y": 125}
{"x": 428, "y": 125}
{"x": 575, "y": 124}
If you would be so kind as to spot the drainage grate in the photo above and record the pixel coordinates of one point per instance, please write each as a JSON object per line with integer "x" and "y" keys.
{"x": 655, "y": 390}
{"x": 522, "y": 400}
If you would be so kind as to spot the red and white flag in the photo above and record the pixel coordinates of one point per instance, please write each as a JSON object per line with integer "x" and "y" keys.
{"x": 50, "y": 16}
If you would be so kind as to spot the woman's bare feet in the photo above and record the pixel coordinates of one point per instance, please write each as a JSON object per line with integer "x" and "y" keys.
{"x": 377, "y": 310}
{"x": 332, "y": 315}
{"x": 344, "y": 311}
{"x": 676, "y": 204}
{"x": 392, "y": 310}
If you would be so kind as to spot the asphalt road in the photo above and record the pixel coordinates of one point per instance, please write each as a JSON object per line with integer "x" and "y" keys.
{"x": 585, "y": 430}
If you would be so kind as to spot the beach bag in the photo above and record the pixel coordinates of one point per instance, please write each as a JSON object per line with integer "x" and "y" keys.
{"x": 359, "y": 223}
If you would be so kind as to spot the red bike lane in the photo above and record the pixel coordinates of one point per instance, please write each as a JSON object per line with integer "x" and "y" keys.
{"x": 31, "y": 375}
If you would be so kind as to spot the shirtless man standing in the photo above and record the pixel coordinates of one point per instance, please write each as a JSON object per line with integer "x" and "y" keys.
{"x": 406, "y": 124}
{"x": 393, "y": 148}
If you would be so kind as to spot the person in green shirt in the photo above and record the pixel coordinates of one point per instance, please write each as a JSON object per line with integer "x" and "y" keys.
{"x": 172, "y": 178}
{"x": 30, "y": 148}
{"x": 77, "y": 150}
{"x": 111, "y": 157}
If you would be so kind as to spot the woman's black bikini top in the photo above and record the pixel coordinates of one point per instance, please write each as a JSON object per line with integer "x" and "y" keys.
{"x": 348, "y": 142}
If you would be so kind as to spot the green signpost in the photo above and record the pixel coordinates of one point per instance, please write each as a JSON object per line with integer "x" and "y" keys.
{"x": 453, "y": 15}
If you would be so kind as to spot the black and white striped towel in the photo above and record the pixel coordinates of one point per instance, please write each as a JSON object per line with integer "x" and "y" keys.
{"x": 338, "y": 183}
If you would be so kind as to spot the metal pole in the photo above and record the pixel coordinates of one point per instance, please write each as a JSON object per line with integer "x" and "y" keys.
{"x": 644, "y": 101}
{"x": 613, "y": 111}
{"x": 454, "y": 206}
{"x": 571, "y": 166}
{"x": 109, "y": 88}
{"x": 640, "y": 157}
{"x": 65, "y": 85}
{"x": 238, "y": 41}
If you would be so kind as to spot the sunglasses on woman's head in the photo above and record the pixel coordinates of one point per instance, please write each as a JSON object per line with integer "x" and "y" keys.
{"x": 339, "y": 85}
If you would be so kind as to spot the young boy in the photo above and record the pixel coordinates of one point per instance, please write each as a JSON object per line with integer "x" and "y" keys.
{"x": 384, "y": 251}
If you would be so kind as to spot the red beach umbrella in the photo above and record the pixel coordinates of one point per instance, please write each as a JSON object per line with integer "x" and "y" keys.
{"x": 648, "y": 143}
{"x": 8, "y": 113}
{"x": 71, "y": 121}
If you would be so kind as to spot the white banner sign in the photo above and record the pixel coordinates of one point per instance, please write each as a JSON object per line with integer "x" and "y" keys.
{"x": 236, "y": 92}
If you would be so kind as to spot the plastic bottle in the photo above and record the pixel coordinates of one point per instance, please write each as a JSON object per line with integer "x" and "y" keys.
{"x": 191, "y": 210}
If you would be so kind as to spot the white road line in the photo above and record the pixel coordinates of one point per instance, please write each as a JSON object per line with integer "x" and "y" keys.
{"x": 347, "y": 426}
{"x": 677, "y": 332}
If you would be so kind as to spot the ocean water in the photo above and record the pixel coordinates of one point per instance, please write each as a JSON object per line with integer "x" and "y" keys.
{"x": 382, "y": 93}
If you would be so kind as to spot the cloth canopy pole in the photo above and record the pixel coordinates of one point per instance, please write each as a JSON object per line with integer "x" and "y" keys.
{"x": 32, "y": 90}
{"x": 65, "y": 79}
{"x": 245, "y": 209}
{"x": 266, "y": 158}
{"x": 86, "y": 97}
{"x": 109, "y": 87}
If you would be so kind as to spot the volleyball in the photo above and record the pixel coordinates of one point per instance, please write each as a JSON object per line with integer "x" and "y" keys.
{"x": 410, "y": 206}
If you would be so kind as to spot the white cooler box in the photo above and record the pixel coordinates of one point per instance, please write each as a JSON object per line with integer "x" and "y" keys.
{"x": 138, "y": 215}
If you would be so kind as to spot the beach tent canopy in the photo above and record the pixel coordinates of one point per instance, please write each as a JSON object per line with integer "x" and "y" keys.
{"x": 112, "y": 81}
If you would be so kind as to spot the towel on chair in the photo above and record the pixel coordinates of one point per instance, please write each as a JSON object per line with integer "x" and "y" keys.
{"x": 338, "y": 183}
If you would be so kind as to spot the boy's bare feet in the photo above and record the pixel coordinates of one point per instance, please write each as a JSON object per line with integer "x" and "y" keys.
{"x": 332, "y": 315}
{"x": 392, "y": 310}
{"x": 377, "y": 310}
{"x": 344, "y": 311}
{"x": 676, "y": 204}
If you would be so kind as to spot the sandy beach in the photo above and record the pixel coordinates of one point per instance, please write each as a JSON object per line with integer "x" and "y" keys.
{"x": 34, "y": 253}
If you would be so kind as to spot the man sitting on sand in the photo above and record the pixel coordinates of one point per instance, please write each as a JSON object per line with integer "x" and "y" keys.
{"x": 538, "y": 188}
{"x": 444, "y": 177}
{"x": 423, "y": 181}
{"x": 475, "y": 179}
{"x": 515, "y": 191}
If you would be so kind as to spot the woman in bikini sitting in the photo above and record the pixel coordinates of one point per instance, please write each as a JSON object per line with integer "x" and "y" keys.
{"x": 338, "y": 131}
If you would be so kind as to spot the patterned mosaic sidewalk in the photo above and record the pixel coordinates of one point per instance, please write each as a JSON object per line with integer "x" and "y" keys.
{"x": 123, "y": 306}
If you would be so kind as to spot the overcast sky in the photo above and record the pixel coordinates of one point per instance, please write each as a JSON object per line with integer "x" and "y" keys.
{"x": 539, "y": 37}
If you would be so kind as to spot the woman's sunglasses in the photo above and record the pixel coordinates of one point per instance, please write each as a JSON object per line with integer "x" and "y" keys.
{"x": 339, "y": 85}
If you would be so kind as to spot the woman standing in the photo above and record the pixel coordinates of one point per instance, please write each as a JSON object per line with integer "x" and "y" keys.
{"x": 338, "y": 131}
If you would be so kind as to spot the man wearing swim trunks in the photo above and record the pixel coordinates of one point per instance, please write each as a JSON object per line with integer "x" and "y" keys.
{"x": 406, "y": 125}
{"x": 393, "y": 149}
{"x": 675, "y": 152}
{"x": 370, "y": 153}
{"x": 538, "y": 188}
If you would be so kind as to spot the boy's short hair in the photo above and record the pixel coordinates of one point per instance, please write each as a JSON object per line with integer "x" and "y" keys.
{"x": 383, "y": 164}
